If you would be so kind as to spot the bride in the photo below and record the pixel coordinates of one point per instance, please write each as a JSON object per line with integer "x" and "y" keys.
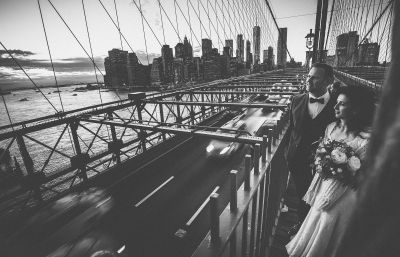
{"x": 332, "y": 201}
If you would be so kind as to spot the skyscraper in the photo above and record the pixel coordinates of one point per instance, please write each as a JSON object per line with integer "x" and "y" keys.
{"x": 346, "y": 49}
{"x": 187, "y": 49}
{"x": 240, "y": 48}
{"x": 282, "y": 44}
{"x": 256, "y": 44}
{"x": 206, "y": 46}
{"x": 179, "y": 50}
{"x": 249, "y": 56}
{"x": 116, "y": 68}
{"x": 167, "y": 64}
{"x": 229, "y": 43}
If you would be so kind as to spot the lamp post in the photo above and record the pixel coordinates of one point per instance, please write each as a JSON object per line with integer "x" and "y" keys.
{"x": 309, "y": 44}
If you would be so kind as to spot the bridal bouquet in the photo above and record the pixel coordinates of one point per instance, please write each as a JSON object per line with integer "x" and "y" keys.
{"x": 337, "y": 160}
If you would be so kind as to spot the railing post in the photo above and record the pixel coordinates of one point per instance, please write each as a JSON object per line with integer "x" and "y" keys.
{"x": 192, "y": 117}
{"x": 270, "y": 139}
{"x": 256, "y": 159}
{"x": 264, "y": 148}
{"x": 215, "y": 239}
{"x": 247, "y": 169}
{"x": 79, "y": 159}
{"x": 26, "y": 158}
{"x": 178, "y": 109}
{"x": 116, "y": 142}
{"x": 233, "y": 202}
{"x": 142, "y": 134}
{"x": 162, "y": 119}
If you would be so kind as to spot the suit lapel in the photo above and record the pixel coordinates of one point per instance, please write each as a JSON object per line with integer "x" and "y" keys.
{"x": 300, "y": 111}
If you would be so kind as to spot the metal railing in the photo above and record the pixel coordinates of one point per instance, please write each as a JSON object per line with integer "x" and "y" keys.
{"x": 247, "y": 225}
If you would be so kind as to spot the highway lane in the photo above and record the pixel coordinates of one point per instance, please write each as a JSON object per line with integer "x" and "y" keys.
{"x": 159, "y": 201}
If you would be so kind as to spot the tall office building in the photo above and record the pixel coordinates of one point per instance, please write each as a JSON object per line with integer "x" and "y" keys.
{"x": 167, "y": 64}
{"x": 249, "y": 56}
{"x": 240, "y": 48}
{"x": 229, "y": 43}
{"x": 187, "y": 49}
{"x": 368, "y": 53}
{"x": 179, "y": 50}
{"x": 256, "y": 44}
{"x": 346, "y": 49}
{"x": 281, "y": 49}
{"x": 265, "y": 56}
{"x": 206, "y": 46}
{"x": 116, "y": 68}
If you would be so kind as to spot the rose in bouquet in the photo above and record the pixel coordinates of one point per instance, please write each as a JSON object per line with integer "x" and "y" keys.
{"x": 337, "y": 160}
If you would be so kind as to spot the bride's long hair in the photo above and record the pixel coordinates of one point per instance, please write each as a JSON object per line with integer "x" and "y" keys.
{"x": 362, "y": 101}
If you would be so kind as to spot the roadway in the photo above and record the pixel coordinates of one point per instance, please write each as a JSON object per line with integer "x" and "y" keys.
{"x": 157, "y": 211}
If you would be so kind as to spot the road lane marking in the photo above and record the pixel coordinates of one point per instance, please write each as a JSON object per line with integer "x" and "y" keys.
{"x": 201, "y": 207}
{"x": 154, "y": 191}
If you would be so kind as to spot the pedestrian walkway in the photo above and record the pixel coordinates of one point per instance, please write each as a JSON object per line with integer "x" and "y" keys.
{"x": 286, "y": 220}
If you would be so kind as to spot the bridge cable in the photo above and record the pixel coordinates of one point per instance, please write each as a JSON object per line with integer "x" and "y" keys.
{"x": 190, "y": 23}
{"x": 52, "y": 66}
{"x": 91, "y": 49}
{"x": 119, "y": 31}
{"x": 176, "y": 32}
{"x": 151, "y": 29}
{"x": 177, "y": 23}
{"x": 211, "y": 24}
{"x": 330, "y": 22}
{"x": 280, "y": 34}
{"x": 201, "y": 32}
{"x": 80, "y": 44}
{"x": 144, "y": 35}
{"x": 162, "y": 22}
{"x": 119, "y": 28}
{"x": 8, "y": 114}
{"x": 51, "y": 58}
{"x": 91, "y": 52}
{"x": 19, "y": 65}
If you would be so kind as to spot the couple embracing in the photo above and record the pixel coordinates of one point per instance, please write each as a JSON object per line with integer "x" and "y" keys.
{"x": 327, "y": 146}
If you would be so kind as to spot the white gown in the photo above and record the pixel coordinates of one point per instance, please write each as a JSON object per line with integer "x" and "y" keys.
{"x": 331, "y": 206}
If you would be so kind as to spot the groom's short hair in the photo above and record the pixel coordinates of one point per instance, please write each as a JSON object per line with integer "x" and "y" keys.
{"x": 327, "y": 69}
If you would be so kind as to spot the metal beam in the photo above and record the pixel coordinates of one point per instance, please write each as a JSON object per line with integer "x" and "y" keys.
{"x": 248, "y": 105}
{"x": 183, "y": 131}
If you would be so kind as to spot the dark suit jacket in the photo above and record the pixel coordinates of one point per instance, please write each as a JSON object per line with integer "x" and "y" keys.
{"x": 298, "y": 111}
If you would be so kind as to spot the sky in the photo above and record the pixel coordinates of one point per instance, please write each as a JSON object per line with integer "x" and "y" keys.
{"x": 21, "y": 30}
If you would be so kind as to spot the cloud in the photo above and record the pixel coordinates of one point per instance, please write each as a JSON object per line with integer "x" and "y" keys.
{"x": 142, "y": 56}
{"x": 16, "y": 53}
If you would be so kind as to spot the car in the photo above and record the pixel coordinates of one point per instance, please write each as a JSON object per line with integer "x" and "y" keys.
{"x": 220, "y": 149}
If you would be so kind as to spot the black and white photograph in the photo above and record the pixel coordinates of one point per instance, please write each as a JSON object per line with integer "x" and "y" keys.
{"x": 199, "y": 128}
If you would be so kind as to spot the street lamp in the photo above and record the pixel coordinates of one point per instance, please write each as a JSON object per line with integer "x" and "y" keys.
{"x": 309, "y": 45}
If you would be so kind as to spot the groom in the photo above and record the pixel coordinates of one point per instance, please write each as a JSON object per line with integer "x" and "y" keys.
{"x": 310, "y": 113}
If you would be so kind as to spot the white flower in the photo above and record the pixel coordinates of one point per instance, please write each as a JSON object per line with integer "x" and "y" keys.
{"x": 338, "y": 156}
{"x": 321, "y": 150}
{"x": 354, "y": 164}
{"x": 339, "y": 170}
{"x": 317, "y": 161}
{"x": 318, "y": 168}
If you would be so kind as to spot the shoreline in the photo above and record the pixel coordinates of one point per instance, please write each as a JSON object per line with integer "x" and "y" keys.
{"x": 51, "y": 86}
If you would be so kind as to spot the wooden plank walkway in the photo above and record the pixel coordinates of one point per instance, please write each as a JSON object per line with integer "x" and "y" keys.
{"x": 286, "y": 220}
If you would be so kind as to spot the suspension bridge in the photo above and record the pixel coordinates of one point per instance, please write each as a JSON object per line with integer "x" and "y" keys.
{"x": 132, "y": 173}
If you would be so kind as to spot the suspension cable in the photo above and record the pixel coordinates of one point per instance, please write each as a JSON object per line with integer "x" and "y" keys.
{"x": 119, "y": 28}
{"x": 19, "y": 65}
{"x": 177, "y": 23}
{"x": 144, "y": 34}
{"x": 51, "y": 58}
{"x": 162, "y": 22}
{"x": 330, "y": 22}
{"x": 190, "y": 23}
{"x": 91, "y": 49}
{"x": 162, "y": 8}
{"x": 151, "y": 29}
{"x": 8, "y": 113}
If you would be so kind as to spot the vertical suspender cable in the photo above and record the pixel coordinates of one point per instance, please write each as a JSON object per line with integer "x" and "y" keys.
{"x": 198, "y": 7}
{"x": 51, "y": 58}
{"x": 119, "y": 28}
{"x": 177, "y": 23}
{"x": 162, "y": 22}
{"x": 190, "y": 23}
{"x": 144, "y": 34}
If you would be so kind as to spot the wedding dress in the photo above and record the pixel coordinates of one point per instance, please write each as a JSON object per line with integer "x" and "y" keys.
{"x": 331, "y": 205}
